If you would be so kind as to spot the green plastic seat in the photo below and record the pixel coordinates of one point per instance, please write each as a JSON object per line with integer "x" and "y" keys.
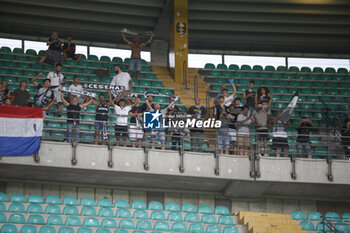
{"x": 307, "y": 225}
{"x": 313, "y": 98}
{"x": 325, "y": 77}
{"x": 53, "y": 209}
{"x": 105, "y": 58}
{"x": 88, "y": 71}
{"x": 233, "y": 67}
{"x": 189, "y": 208}
{"x": 226, "y": 220}
{"x": 91, "y": 222}
{"x": 87, "y": 201}
{"x": 321, "y": 227}
{"x": 329, "y": 70}
{"x": 68, "y": 200}
{"x": 246, "y": 67}
{"x": 208, "y": 218}
{"x": 269, "y": 68}
{"x": 9, "y": 228}
{"x": 126, "y": 224}
{"x": 54, "y": 220}
{"x": 332, "y": 84}
{"x": 66, "y": 230}
{"x": 342, "y": 227}
{"x": 36, "y": 219}
{"x": 70, "y": 210}
{"x": 175, "y": 216}
{"x": 221, "y": 66}
{"x": 96, "y": 65}
{"x": 93, "y": 58}
{"x": 179, "y": 227}
{"x": 252, "y": 75}
{"x": 24, "y": 65}
{"x": 314, "y": 216}
{"x": 31, "y": 52}
{"x": 258, "y": 68}
{"x": 146, "y": 69}
{"x": 264, "y": 75}
{"x": 332, "y": 92}
{"x": 281, "y": 90}
{"x": 205, "y": 209}
{"x": 47, "y": 229}
{"x": 317, "y": 70}
{"x": 159, "y": 99}
{"x": 158, "y": 215}
{"x": 18, "y": 50}
{"x": 17, "y": 218}
{"x": 277, "y": 75}
{"x": 104, "y": 203}
{"x": 2, "y": 207}
{"x": 288, "y": 76}
{"x": 305, "y": 69}
{"x": 53, "y": 199}
{"x": 123, "y": 213}
{"x": 161, "y": 226}
{"x": 117, "y": 60}
{"x": 196, "y": 228}
{"x": 35, "y": 208}
{"x": 5, "y": 49}
{"x": 342, "y": 71}
{"x": 227, "y": 73}
{"x": 122, "y": 204}
{"x": 155, "y": 205}
{"x": 298, "y": 215}
{"x": 8, "y": 57}
{"x": 301, "y": 76}
{"x": 307, "y": 91}
{"x": 157, "y": 84}
{"x": 88, "y": 211}
{"x": 209, "y": 66}
{"x": 17, "y": 197}
{"x": 282, "y": 69}
{"x": 293, "y": 69}
{"x": 11, "y": 64}
{"x": 3, "y": 197}
{"x": 333, "y": 216}
{"x": 33, "y": 198}
{"x": 140, "y": 214}
{"x": 28, "y": 229}
{"x": 105, "y": 212}
{"x": 172, "y": 206}
{"x": 109, "y": 223}
{"x": 230, "y": 229}
{"x": 192, "y": 217}
{"x": 213, "y": 229}
{"x": 220, "y": 80}
{"x": 16, "y": 72}
{"x": 215, "y": 73}
{"x": 144, "y": 83}
{"x": 73, "y": 221}
{"x": 240, "y": 74}
{"x": 84, "y": 230}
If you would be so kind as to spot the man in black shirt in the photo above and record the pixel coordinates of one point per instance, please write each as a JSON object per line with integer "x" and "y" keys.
{"x": 54, "y": 53}
{"x": 148, "y": 105}
{"x": 101, "y": 123}
{"x": 249, "y": 97}
{"x": 73, "y": 116}
{"x": 220, "y": 107}
{"x": 45, "y": 97}
{"x": 197, "y": 112}
{"x": 20, "y": 96}
{"x": 303, "y": 139}
{"x": 135, "y": 127}
{"x": 345, "y": 139}
{"x": 69, "y": 50}
{"x": 233, "y": 111}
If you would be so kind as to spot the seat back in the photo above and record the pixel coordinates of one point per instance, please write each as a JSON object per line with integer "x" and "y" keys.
{"x": 17, "y": 218}
{"x": 188, "y": 207}
{"x": 106, "y": 212}
{"x": 73, "y": 221}
{"x": 87, "y": 201}
{"x": 36, "y": 219}
{"x": 155, "y": 205}
{"x": 179, "y": 227}
{"x": 88, "y": 211}
{"x": 172, "y": 206}
{"x": 205, "y": 209}
{"x": 144, "y": 225}
{"x": 47, "y": 229}
{"x": 35, "y": 208}
{"x": 53, "y": 209}
{"x": 34, "y": 198}
{"x": 109, "y": 223}
{"x": 122, "y": 204}
{"x": 17, "y": 197}
{"x": 104, "y": 203}
{"x": 28, "y": 229}
{"x": 161, "y": 226}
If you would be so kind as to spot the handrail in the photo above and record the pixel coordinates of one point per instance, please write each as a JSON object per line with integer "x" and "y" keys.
{"x": 195, "y": 87}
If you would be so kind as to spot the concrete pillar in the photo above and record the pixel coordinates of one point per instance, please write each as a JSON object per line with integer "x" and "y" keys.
{"x": 159, "y": 53}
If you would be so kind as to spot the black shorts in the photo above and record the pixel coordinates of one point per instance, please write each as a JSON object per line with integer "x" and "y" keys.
{"x": 262, "y": 134}
{"x": 281, "y": 143}
{"x": 121, "y": 131}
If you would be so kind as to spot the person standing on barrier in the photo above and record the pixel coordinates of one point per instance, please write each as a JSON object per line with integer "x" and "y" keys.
{"x": 280, "y": 137}
{"x": 303, "y": 139}
{"x": 244, "y": 122}
{"x": 135, "y": 128}
{"x": 73, "y": 116}
{"x": 249, "y": 97}
{"x": 262, "y": 132}
{"x": 345, "y": 139}
{"x": 198, "y": 112}
{"x": 101, "y": 123}
{"x": 122, "y": 112}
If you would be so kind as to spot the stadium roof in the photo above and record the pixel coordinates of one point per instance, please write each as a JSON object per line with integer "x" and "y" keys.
{"x": 276, "y": 26}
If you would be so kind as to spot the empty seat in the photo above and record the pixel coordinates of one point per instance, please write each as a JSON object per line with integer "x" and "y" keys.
{"x": 101, "y": 230}
{"x": 73, "y": 221}
{"x": 17, "y": 207}
{"x": 196, "y": 228}
{"x": 342, "y": 227}
{"x": 230, "y": 229}
{"x": 346, "y": 217}
{"x": 307, "y": 225}
{"x": 88, "y": 211}
{"x": 332, "y": 216}
{"x": 106, "y": 212}
{"x": 66, "y": 230}
{"x": 84, "y": 230}
{"x": 126, "y": 224}
{"x": 47, "y": 229}
{"x": 109, "y": 223}
{"x": 53, "y": 209}
{"x": 91, "y": 222}
{"x": 123, "y": 213}
{"x": 87, "y": 201}
{"x": 161, "y": 226}
{"x": 144, "y": 225}
{"x": 140, "y": 214}
{"x": 28, "y": 229}
{"x": 222, "y": 210}
{"x": 70, "y": 210}
{"x": 104, "y": 203}
{"x": 175, "y": 216}
{"x": 192, "y": 217}
{"x": 179, "y": 227}
{"x": 3, "y": 218}
{"x": 215, "y": 73}
{"x": 9, "y": 228}
{"x": 321, "y": 227}
{"x": 226, "y": 220}
{"x": 3, "y": 196}
{"x": 54, "y": 220}
{"x": 70, "y": 201}
{"x": 298, "y": 215}
{"x": 155, "y": 205}
{"x": 17, "y": 218}
{"x": 172, "y": 206}
{"x": 213, "y": 229}
{"x": 317, "y": 70}
{"x": 314, "y": 216}
{"x": 34, "y": 198}
{"x": 208, "y": 218}
{"x": 36, "y": 219}
{"x": 2, "y": 207}
{"x": 221, "y": 66}
{"x": 17, "y": 197}
{"x": 137, "y": 204}
{"x": 209, "y": 66}
{"x": 158, "y": 215}
{"x": 205, "y": 209}
{"x": 188, "y": 207}
{"x": 35, "y": 208}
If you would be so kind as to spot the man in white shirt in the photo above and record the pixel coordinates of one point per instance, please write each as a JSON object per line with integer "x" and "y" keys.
{"x": 122, "y": 112}
{"x": 243, "y": 131}
{"x": 76, "y": 86}
{"x": 121, "y": 79}
{"x": 57, "y": 81}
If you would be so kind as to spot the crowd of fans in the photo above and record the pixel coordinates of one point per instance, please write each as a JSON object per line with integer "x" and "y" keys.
{"x": 237, "y": 115}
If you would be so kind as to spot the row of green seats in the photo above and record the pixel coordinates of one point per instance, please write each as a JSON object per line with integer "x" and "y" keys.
{"x": 279, "y": 68}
